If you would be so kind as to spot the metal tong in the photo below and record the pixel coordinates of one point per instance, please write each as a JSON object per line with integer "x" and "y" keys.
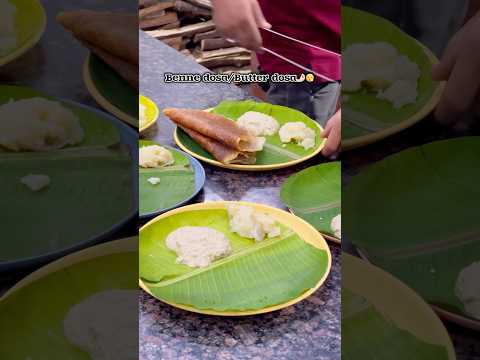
{"x": 290, "y": 61}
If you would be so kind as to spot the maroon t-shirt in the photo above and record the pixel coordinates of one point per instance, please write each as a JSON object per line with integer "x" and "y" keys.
{"x": 317, "y": 22}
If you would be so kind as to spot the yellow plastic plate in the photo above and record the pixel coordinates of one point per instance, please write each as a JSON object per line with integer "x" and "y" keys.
{"x": 110, "y": 91}
{"x": 30, "y": 23}
{"x": 395, "y": 300}
{"x": 253, "y": 167}
{"x": 301, "y": 227}
{"x": 151, "y": 112}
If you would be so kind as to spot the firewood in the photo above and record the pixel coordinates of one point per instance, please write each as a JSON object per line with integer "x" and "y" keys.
{"x": 233, "y": 51}
{"x": 213, "y": 34}
{"x": 190, "y": 10}
{"x": 173, "y": 25}
{"x": 146, "y": 3}
{"x": 154, "y": 15}
{"x": 175, "y": 42}
{"x": 168, "y": 18}
{"x": 237, "y": 61}
{"x": 213, "y": 44}
{"x": 182, "y": 31}
{"x": 154, "y": 8}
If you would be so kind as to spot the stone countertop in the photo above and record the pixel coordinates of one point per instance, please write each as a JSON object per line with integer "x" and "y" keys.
{"x": 308, "y": 330}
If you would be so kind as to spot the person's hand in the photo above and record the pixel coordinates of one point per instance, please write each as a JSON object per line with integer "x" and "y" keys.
{"x": 333, "y": 134}
{"x": 460, "y": 67}
{"x": 240, "y": 20}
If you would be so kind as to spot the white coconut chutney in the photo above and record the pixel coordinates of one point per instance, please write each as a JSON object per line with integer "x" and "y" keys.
{"x": 258, "y": 123}
{"x": 247, "y": 222}
{"x": 153, "y": 180}
{"x": 154, "y": 156}
{"x": 105, "y": 325}
{"x": 198, "y": 246}
{"x": 380, "y": 67}
{"x": 299, "y": 133}
{"x": 35, "y": 182}
{"x": 467, "y": 289}
{"x": 38, "y": 124}
{"x": 336, "y": 226}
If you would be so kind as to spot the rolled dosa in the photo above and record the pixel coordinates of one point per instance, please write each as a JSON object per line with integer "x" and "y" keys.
{"x": 115, "y": 33}
{"x": 216, "y": 127}
{"x": 221, "y": 152}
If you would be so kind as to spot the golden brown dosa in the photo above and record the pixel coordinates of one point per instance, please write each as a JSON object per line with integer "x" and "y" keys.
{"x": 115, "y": 33}
{"x": 216, "y": 127}
{"x": 221, "y": 152}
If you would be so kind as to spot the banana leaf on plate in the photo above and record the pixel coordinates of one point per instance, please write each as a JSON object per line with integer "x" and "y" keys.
{"x": 384, "y": 319}
{"x": 258, "y": 276}
{"x": 178, "y": 184}
{"x": 365, "y": 117}
{"x": 110, "y": 90}
{"x": 416, "y": 216}
{"x": 275, "y": 154}
{"x": 314, "y": 194}
{"x": 37, "y": 306}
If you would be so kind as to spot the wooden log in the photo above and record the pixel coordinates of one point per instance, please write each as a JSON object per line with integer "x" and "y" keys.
{"x": 169, "y": 17}
{"x": 237, "y": 61}
{"x": 216, "y": 43}
{"x": 190, "y": 10}
{"x": 188, "y": 30}
{"x": 233, "y": 51}
{"x": 153, "y": 15}
{"x": 212, "y": 34}
{"x": 150, "y": 9}
{"x": 174, "y": 25}
{"x": 175, "y": 42}
{"x": 146, "y": 3}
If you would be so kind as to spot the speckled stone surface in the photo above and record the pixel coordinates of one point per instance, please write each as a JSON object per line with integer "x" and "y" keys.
{"x": 308, "y": 330}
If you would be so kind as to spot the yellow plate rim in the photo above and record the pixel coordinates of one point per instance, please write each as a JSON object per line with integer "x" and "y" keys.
{"x": 435, "y": 322}
{"x": 146, "y": 100}
{"x": 108, "y": 248}
{"x": 368, "y": 139}
{"x": 326, "y": 236}
{"x": 30, "y": 43}
{"x": 444, "y": 314}
{"x": 100, "y": 99}
{"x": 248, "y": 167}
{"x": 319, "y": 242}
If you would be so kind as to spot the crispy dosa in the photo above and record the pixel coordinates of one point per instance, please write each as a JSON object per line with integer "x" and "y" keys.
{"x": 115, "y": 33}
{"x": 221, "y": 152}
{"x": 216, "y": 127}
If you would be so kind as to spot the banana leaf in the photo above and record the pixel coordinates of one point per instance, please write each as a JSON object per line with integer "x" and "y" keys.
{"x": 98, "y": 132}
{"x": 30, "y": 21}
{"x": 416, "y": 216}
{"x": 36, "y": 311}
{"x": 90, "y": 193}
{"x": 177, "y": 183}
{"x": 314, "y": 194}
{"x": 255, "y": 276}
{"x": 114, "y": 89}
{"x": 274, "y": 152}
{"x": 363, "y": 113}
{"x": 367, "y": 334}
